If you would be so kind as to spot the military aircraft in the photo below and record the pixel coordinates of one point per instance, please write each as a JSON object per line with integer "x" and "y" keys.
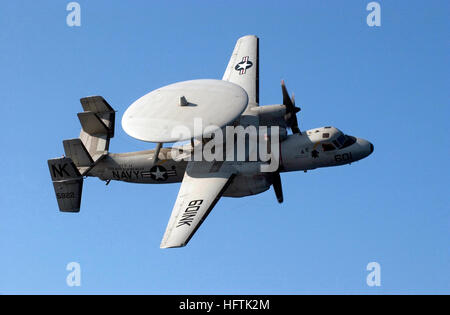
{"x": 232, "y": 101}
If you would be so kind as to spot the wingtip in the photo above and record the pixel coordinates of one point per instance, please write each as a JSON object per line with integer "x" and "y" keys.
{"x": 165, "y": 244}
{"x": 170, "y": 246}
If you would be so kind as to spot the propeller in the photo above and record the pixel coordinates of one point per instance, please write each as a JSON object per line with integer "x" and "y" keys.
{"x": 291, "y": 121}
{"x": 276, "y": 182}
{"x": 291, "y": 110}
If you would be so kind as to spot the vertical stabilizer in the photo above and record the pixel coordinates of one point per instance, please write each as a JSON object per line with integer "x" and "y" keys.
{"x": 67, "y": 182}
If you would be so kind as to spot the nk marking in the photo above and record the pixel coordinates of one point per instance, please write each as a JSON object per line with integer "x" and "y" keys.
{"x": 63, "y": 170}
{"x": 59, "y": 170}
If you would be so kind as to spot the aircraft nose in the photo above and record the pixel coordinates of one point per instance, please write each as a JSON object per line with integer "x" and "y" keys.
{"x": 364, "y": 149}
{"x": 367, "y": 147}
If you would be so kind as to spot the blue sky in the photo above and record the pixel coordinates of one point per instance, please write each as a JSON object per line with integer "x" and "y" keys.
{"x": 388, "y": 84}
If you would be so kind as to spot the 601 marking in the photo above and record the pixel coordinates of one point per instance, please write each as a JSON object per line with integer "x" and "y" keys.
{"x": 343, "y": 157}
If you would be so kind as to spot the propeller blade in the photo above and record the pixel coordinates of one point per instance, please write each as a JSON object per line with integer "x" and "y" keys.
{"x": 286, "y": 99}
{"x": 276, "y": 182}
{"x": 296, "y": 109}
{"x": 291, "y": 109}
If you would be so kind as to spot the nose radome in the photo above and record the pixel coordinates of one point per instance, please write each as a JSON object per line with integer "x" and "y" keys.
{"x": 365, "y": 148}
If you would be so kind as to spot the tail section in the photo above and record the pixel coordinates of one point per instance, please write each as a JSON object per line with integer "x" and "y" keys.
{"x": 67, "y": 182}
{"x": 97, "y": 128}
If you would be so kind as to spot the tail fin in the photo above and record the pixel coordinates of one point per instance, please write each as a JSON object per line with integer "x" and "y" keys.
{"x": 97, "y": 122}
{"x": 67, "y": 182}
{"x": 75, "y": 149}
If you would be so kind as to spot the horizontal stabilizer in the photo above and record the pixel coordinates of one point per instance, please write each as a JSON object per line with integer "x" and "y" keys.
{"x": 103, "y": 112}
{"x": 97, "y": 126}
{"x": 67, "y": 182}
{"x": 96, "y": 104}
{"x": 92, "y": 124}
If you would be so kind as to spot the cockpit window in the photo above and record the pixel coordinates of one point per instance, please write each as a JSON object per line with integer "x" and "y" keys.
{"x": 325, "y": 135}
{"x": 349, "y": 140}
{"x": 337, "y": 144}
{"x": 328, "y": 147}
{"x": 341, "y": 139}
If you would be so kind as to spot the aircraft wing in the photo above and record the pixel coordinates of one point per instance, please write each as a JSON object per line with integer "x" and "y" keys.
{"x": 200, "y": 190}
{"x": 243, "y": 67}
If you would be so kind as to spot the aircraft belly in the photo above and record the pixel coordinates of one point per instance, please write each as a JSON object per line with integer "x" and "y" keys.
{"x": 247, "y": 185}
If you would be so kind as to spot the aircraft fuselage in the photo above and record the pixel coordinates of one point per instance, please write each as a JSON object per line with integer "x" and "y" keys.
{"x": 315, "y": 148}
